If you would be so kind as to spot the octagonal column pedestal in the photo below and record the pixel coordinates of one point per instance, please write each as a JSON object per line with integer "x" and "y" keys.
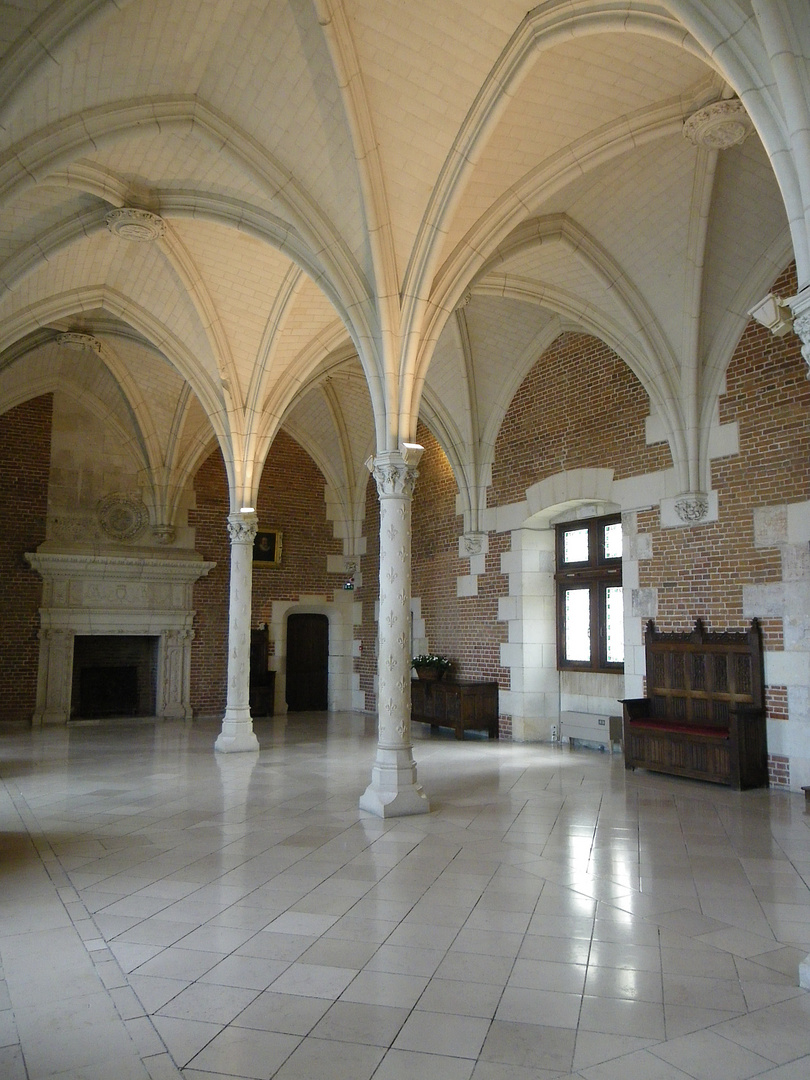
{"x": 394, "y": 790}
{"x": 237, "y": 726}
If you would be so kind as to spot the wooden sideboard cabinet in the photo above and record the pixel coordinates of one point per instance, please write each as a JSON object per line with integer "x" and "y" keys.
{"x": 463, "y": 706}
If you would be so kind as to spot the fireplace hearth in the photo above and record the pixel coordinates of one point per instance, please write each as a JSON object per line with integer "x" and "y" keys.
{"x": 113, "y": 676}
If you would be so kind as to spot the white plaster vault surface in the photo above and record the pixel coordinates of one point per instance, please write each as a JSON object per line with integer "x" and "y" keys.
{"x": 372, "y": 211}
{"x": 358, "y": 178}
{"x": 167, "y": 912}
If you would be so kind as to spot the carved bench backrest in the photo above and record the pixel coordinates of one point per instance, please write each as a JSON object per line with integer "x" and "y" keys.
{"x": 699, "y": 677}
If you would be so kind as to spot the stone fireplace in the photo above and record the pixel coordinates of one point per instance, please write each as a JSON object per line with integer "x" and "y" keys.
{"x": 110, "y": 596}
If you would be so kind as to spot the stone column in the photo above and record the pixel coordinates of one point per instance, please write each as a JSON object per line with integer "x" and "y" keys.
{"x": 800, "y": 306}
{"x": 174, "y": 675}
{"x": 237, "y": 727}
{"x": 394, "y": 791}
{"x": 55, "y": 677}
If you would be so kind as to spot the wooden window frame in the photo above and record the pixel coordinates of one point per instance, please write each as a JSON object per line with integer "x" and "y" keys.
{"x": 596, "y": 574}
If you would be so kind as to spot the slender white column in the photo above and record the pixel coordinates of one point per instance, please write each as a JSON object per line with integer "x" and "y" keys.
{"x": 800, "y": 305}
{"x": 237, "y": 727}
{"x": 394, "y": 791}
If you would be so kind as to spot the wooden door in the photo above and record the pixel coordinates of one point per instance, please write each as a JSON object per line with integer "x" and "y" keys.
{"x": 307, "y": 662}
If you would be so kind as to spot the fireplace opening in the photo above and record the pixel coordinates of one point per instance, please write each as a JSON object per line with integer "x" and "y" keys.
{"x": 113, "y": 676}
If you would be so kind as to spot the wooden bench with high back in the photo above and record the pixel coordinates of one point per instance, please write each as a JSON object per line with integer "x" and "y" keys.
{"x": 704, "y": 714}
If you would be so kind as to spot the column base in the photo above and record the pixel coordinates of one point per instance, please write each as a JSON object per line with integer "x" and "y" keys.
{"x": 49, "y": 717}
{"x": 237, "y": 735}
{"x": 394, "y": 791}
{"x": 176, "y": 712}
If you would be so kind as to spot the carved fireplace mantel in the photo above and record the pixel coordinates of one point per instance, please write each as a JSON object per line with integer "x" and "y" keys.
{"x": 114, "y": 595}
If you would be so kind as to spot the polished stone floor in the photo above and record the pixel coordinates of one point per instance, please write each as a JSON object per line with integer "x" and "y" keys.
{"x": 169, "y": 912}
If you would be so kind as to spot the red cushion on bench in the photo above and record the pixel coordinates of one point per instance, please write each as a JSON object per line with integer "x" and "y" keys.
{"x": 685, "y": 729}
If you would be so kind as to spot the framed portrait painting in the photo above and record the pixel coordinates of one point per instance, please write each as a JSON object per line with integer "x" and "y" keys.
{"x": 267, "y": 548}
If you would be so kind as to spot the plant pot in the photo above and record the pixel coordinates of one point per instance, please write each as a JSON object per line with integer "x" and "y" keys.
{"x": 429, "y": 674}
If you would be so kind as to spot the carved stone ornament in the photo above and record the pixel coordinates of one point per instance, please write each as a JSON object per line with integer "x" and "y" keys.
{"x": 719, "y": 126}
{"x": 79, "y": 342}
{"x": 242, "y": 530}
{"x": 141, "y": 226}
{"x": 801, "y": 326}
{"x": 393, "y": 479}
{"x": 122, "y": 516}
{"x": 692, "y": 508}
{"x": 164, "y": 534}
{"x": 473, "y": 542}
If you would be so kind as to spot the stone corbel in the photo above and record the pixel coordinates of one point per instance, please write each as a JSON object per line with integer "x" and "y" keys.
{"x": 164, "y": 534}
{"x": 472, "y": 543}
{"x": 781, "y": 316}
{"x": 688, "y": 509}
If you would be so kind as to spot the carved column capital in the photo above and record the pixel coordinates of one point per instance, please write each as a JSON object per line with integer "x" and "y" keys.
{"x": 393, "y": 476}
{"x": 801, "y": 325}
{"x": 800, "y": 307}
{"x": 242, "y": 527}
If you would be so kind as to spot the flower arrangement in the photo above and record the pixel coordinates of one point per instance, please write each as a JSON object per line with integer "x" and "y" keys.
{"x": 431, "y": 662}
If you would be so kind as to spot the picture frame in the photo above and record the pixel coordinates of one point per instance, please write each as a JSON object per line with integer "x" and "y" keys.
{"x": 267, "y": 548}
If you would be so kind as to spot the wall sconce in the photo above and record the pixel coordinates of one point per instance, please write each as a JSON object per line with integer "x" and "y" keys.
{"x": 774, "y": 314}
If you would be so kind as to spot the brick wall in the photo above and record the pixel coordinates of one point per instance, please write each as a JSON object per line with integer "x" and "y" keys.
{"x": 551, "y": 425}
{"x": 464, "y": 628}
{"x": 25, "y": 453}
{"x": 701, "y": 571}
{"x": 579, "y": 407}
{"x": 209, "y": 649}
{"x": 291, "y": 498}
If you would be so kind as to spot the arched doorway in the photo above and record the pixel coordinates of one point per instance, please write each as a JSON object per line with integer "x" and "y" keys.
{"x": 307, "y": 661}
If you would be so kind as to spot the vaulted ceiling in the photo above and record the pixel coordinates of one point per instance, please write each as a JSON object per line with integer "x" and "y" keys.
{"x": 356, "y": 212}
